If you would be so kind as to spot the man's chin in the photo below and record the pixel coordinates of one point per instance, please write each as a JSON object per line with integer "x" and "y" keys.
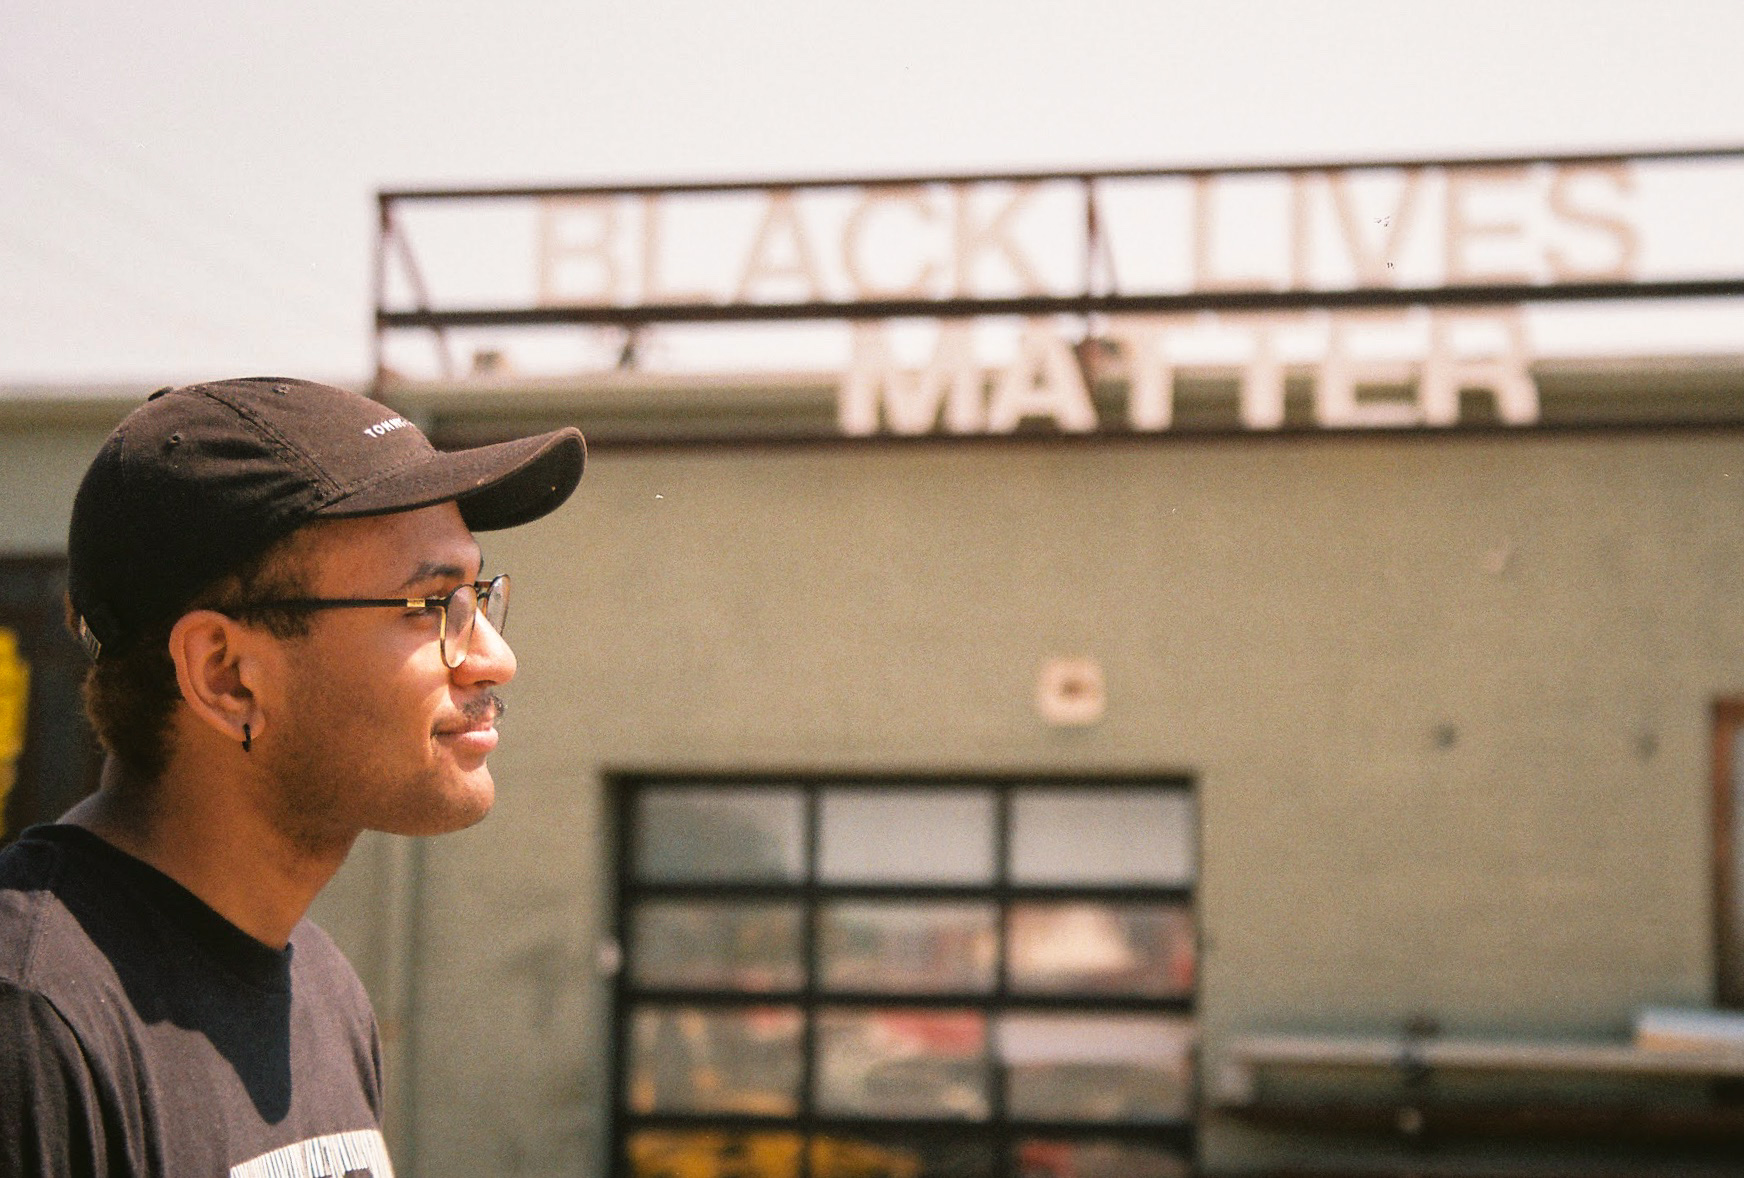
{"x": 462, "y": 804}
{"x": 474, "y": 802}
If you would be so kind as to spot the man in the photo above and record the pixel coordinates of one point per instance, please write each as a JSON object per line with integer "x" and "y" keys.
{"x": 292, "y": 643}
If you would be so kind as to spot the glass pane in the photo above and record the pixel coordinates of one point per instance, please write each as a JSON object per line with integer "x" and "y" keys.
{"x": 906, "y": 835}
{"x": 665, "y": 1153}
{"x": 711, "y": 944}
{"x": 1144, "y": 949}
{"x": 1098, "y": 1159}
{"x": 905, "y": 1156}
{"x": 916, "y": 947}
{"x": 902, "y": 1063}
{"x": 926, "y": 948}
{"x": 1097, "y": 1067}
{"x": 685, "y": 1059}
{"x": 1102, "y": 836}
{"x": 695, "y": 833}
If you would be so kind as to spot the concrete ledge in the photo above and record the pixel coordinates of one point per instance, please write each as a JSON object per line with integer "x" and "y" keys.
{"x": 1236, "y": 1081}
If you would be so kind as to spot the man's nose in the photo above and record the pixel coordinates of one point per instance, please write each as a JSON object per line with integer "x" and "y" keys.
{"x": 488, "y": 657}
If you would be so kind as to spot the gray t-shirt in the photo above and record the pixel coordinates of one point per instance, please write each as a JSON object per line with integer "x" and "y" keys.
{"x": 141, "y": 1033}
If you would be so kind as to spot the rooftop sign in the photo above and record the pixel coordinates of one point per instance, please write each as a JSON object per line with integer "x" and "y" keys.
{"x": 1396, "y": 291}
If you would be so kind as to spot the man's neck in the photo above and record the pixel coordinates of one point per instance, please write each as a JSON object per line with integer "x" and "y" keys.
{"x": 229, "y": 856}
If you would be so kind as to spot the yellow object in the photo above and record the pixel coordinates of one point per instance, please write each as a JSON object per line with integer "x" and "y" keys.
{"x": 832, "y": 1157}
{"x": 14, "y": 709}
{"x": 658, "y": 1153}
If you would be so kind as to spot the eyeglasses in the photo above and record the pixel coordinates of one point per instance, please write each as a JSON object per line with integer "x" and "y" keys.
{"x": 459, "y": 611}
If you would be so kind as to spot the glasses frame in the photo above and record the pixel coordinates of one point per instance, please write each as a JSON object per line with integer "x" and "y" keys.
{"x": 485, "y": 594}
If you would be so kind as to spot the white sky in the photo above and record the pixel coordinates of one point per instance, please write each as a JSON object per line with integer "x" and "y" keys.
{"x": 186, "y": 190}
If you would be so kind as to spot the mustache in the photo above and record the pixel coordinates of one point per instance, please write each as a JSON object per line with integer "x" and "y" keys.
{"x": 487, "y": 708}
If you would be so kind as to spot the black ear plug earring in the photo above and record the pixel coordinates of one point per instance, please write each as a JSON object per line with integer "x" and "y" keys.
{"x": 247, "y": 738}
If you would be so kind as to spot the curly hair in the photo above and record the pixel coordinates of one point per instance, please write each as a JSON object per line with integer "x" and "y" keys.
{"x": 130, "y": 697}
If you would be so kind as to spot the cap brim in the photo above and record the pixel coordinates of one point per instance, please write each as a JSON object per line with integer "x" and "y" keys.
{"x": 496, "y": 486}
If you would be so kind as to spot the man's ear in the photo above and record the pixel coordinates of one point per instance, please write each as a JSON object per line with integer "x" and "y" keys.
{"x": 219, "y": 668}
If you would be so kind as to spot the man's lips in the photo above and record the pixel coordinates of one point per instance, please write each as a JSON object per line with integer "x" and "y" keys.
{"x": 476, "y": 727}
{"x": 468, "y": 726}
{"x": 477, "y": 740}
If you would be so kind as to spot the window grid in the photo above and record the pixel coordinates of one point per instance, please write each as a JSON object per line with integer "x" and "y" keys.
{"x": 998, "y": 1131}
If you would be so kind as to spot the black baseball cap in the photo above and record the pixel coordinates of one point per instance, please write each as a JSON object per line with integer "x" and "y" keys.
{"x": 201, "y": 479}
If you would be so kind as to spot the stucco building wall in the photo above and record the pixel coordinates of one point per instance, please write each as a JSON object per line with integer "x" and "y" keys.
{"x": 1446, "y": 701}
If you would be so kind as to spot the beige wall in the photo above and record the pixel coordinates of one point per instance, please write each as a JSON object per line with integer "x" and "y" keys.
{"x": 40, "y": 468}
{"x": 1297, "y": 623}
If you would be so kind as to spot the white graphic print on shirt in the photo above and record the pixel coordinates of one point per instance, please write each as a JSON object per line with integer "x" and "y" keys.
{"x": 359, "y": 1154}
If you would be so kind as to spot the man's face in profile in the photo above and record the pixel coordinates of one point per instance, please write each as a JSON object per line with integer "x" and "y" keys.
{"x": 375, "y": 732}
